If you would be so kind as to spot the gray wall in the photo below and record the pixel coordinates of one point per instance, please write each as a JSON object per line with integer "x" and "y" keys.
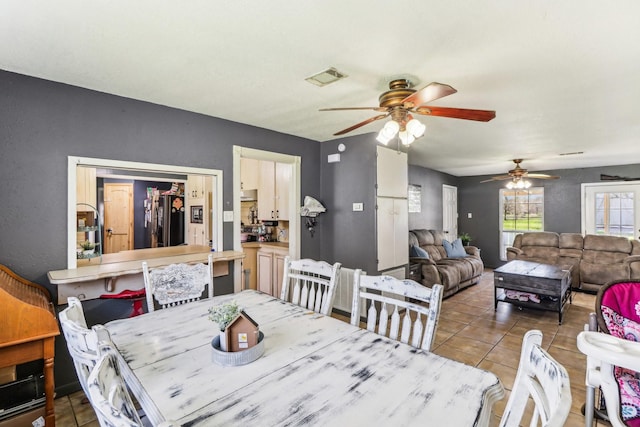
{"x": 431, "y": 182}
{"x": 42, "y": 122}
{"x": 349, "y": 237}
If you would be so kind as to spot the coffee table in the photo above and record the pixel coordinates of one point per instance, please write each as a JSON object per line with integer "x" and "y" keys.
{"x": 551, "y": 283}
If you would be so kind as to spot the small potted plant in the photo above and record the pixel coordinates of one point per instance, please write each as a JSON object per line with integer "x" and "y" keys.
{"x": 465, "y": 238}
{"x": 88, "y": 247}
{"x": 223, "y": 314}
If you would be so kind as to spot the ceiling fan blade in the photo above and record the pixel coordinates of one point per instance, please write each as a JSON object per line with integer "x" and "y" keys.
{"x": 354, "y": 108}
{"x": 541, "y": 176}
{"x": 429, "y": 93}
{"x": 356, "y": 126}
{"x": 457, "y": 113}
{"x": 497, "y": 178}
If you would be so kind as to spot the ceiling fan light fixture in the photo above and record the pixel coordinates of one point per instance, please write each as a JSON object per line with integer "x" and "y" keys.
{"x": 518, "y": 184}
{"x": 406, "y": 137}
{"x": 415, "y": 128}
{"x": 387, "y": 133}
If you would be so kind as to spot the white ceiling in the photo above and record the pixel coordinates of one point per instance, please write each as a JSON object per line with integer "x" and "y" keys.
{"x": 563, "y": 76}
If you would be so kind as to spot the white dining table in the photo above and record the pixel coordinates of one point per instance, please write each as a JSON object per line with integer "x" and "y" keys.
{"x": 315, "y": 370}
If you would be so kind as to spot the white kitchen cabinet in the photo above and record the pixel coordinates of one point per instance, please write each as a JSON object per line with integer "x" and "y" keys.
{"x": 392, "y": 232}
{"x": 270, "y": 268}
{"x": 249, "y": 174}
{"x": 196, "y": 234}
{"x": 196, "y": 187}
{"x": 392, "y": 173}
{"x": 392, "y": 229}
{"x": 273, "y": 190}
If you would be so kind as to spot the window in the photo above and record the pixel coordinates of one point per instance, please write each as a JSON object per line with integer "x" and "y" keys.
{"x": 611, "y": 209}
{"x": 520, "y": 211}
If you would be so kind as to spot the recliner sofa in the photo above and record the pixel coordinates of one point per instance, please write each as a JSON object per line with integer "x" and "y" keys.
{"x": 453, "y": 274}
{"x": 595, "y": 259}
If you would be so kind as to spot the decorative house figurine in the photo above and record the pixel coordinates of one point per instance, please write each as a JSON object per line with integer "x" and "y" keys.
{"x": 241, "y": 333}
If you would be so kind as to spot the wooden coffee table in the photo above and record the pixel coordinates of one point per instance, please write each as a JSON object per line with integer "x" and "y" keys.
{"x": 551, "y": 284}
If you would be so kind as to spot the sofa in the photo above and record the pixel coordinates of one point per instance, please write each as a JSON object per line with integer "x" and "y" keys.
{"x": 595, "y": 259}
{"x": 453, "y": 274}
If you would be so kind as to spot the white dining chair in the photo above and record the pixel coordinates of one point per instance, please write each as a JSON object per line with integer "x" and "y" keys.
{"x": 109, "y": 396}
{"x": 385, "y": 297}
{"x": 310, "y": 284}
{"x": 82, "y": 342}
{"x": 604, "y": 352}
{"x": 544, "y": 380}
{"x": 177, "y": 284}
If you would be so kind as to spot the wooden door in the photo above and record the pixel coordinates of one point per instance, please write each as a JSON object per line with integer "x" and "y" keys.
{"x": 118, "y": 217}
{"x": 450, "y": 211}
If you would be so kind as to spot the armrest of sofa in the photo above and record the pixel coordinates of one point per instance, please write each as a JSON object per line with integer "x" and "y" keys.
{"x": 634, "y": 266}
{"x": 513, "y": 253}
{"x": 418, "y": 260}
{"x": 473, "y": 251}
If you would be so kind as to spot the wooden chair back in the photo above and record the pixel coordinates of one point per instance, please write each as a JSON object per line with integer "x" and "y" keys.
{"x": 310, "y": 284}
{"x": 544, "y": 380}
{"x": 82, "y": 342}
{"x": 177, "y": 284}
{"x": 385, "y": 297}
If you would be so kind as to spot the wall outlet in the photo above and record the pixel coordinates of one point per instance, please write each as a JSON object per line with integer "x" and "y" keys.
{"x": 358, "y": 207}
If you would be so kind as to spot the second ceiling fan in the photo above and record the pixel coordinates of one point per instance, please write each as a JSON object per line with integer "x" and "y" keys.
{"x": 518, "y": 174}
{"x": 401, "y": 101}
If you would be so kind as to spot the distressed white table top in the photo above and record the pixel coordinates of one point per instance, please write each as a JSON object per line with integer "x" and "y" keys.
{"x": 316, "y": 370}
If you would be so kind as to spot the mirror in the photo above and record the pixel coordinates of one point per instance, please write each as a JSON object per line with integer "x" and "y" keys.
{"x": 91, "y": 181}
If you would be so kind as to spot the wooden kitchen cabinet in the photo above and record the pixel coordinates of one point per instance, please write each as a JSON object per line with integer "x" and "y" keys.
{"x": 270, "y": 266}
{"x": 273, "y": 190}
{"x": 86, "y": 188}
{"x": 249, "y": 266}
{"x": 249, "y": 174}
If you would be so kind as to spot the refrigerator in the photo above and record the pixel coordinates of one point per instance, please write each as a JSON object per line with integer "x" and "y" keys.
{"x": 164, "y": 221}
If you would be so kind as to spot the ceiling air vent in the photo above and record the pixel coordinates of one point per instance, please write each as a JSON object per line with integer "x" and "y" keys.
{"x": 325, "y": 77}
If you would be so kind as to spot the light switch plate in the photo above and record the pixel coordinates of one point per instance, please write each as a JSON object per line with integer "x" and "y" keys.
{"x": 228, "y": 216}
{"x": 358, "y": 207}
{"x": 469, "y": 215}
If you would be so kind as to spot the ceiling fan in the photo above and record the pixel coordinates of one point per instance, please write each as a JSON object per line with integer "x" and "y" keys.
{"x": 517, "y": 176}
{"x": 401, "y": 101}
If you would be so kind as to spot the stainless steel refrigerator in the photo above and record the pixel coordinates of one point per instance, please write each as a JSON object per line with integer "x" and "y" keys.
{"x": 164, "y": 221}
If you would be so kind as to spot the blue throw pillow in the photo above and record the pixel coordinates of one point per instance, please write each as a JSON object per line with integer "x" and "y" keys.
{"x": 454, "y": 249}
{"x": 417, "y": 252}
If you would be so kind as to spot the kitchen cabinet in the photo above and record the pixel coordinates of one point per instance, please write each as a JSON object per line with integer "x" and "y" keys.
{"x": 86, "y": 188}
{"x": 249, "y": 174}
{"x": 392, "y": 222}
{"x": 196, "y": 234}
{"x": 249, "y": 266}
{"x": 196, "y": 187}
{"x": 199, "y": 197}
{"x": 393, "y": 232}
{"x": 273, "y": 190}
{"x": 270, "y": 266}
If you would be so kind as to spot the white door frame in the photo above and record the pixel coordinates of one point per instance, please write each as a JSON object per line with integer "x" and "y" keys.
{"x": 294, "y": 201}
{"x": 450, "y": 211}
{"x": 587, "y": 194}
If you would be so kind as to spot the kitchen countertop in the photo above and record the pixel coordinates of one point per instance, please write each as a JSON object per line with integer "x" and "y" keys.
{"x": 263, "y": 244}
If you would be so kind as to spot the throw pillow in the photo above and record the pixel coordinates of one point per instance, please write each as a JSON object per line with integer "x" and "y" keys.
{"x": 417, "y": 252}
{"x": 454, "y": 249}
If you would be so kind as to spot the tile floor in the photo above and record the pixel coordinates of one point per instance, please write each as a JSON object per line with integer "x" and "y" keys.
{"x": 472, "y": 332}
